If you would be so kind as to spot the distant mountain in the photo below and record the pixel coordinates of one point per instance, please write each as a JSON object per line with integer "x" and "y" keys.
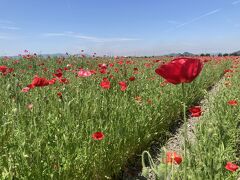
{"x": 181, "y": 54}
{"x": 237, "y": 53}
{"x": 188, "y": 54}
{"x": 174, "y": 54}
{"x": 52, "y": 55}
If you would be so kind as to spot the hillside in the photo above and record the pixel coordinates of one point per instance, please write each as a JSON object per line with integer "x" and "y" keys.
{"x": 237, "y": 53}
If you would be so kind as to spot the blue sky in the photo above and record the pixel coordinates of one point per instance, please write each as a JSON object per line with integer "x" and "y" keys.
{"x": 123, "y": 27}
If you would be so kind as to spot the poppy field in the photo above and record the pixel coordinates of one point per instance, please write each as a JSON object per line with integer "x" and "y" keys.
{"x": 78, "y": 117}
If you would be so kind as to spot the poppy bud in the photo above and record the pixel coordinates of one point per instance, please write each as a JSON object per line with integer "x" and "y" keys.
{"x": 145, "y": 172}
{"x": 8, "y": 87}
{"x": 210, "y": 131}
{"x": 14, "y": 110}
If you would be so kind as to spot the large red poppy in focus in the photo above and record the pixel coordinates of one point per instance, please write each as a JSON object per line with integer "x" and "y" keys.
{"x": 180, "y": 70}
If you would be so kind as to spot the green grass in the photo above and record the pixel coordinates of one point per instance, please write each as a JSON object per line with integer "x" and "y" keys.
{"x": 53, "y": 139}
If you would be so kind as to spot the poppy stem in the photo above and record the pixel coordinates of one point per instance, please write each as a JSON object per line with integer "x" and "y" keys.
{"x": 185, "y": 129}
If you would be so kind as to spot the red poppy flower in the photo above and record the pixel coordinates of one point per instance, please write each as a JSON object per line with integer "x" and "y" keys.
{"x": 180, "y": 70}
{"x": 52, "y": 81}
{"x": 30, "y": 106}
{"x": 58, "y": 75}
{"x": 149, "y": 101}
{"x": 30, "y": 86}
{"x": 3, "y": 69}
{"x": 111, "y": 65}
{"x": 28, "y": 56}
{"x": 105, "y": 79}
{"x": 98, "y": 136}
{"x": 233, "y": 102}
{"x": 120, "y": 62}
{"x": 173, "y": 157}
{"x": 9, "y": 70}
{"x": 231, "y": 167}
{"x": 59, "y": 94}
{"x": 65, "y": 68}
{"x": 111, "y": 76}
{"x": 16, "y": 62}
{"x": 59, "y": 70}
{"x": 105, "y": 84}
{"x": 228, "y": 70}
{"x": 26, "y": 89}
{"x": 123, "y": 85}
{"x": 39, "y": 82}
{"x": 103, "y": 71}
{"x": 147, "y": 65}
{"x": 84, "y": 73}
{"x": 132, "y": 78}
{"x": 195, "y": 111}
{"x": 116, "y": 70}
{"x": 93, "y": 71}
{"x": 64, "y": 80}
{"x": 102, "y": 66}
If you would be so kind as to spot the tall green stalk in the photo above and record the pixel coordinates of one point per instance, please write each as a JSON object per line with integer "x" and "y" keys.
{"x": 185, "y": 129}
